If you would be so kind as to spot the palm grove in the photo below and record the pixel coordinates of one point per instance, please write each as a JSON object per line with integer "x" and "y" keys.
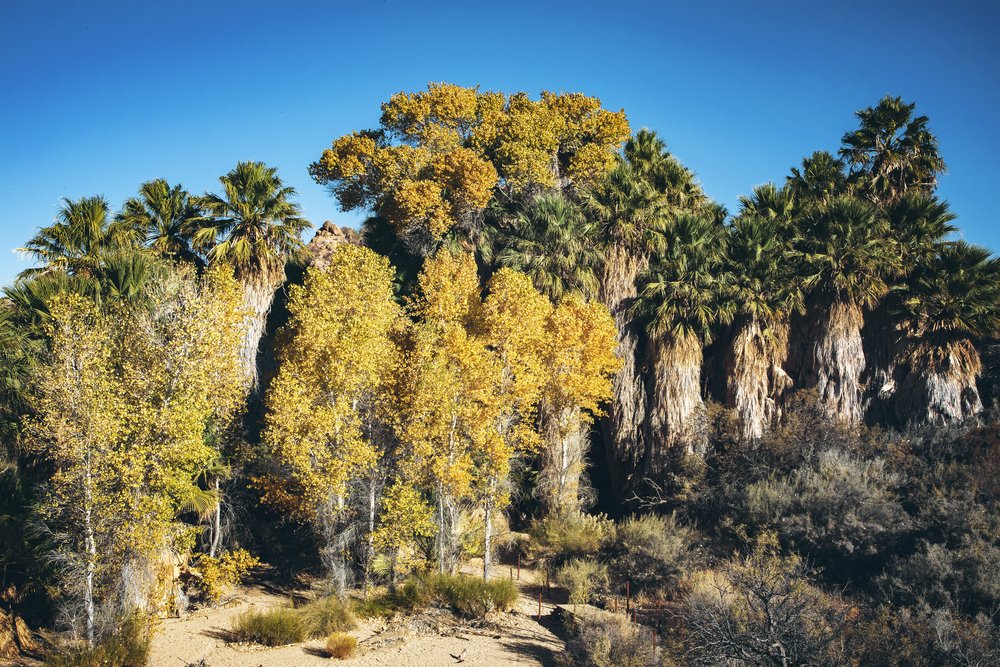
{"x": 537, "y": 291}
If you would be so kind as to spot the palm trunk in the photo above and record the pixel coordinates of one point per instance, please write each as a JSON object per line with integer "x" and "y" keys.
{"x": 881, "y": 337}
{"x": 626, "y": 414}
{"x": 835, "y": 359}
{"x": 755, "y": 378}
{"x": 677, "y": 411}
{"x": 258, "y": 295}
{"x": 940, "y": 383}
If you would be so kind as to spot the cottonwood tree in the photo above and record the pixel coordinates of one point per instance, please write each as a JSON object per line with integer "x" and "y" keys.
{"x": 122, "y": 401}
{"x": 326, "y": 405}
{"x": 440, "y": 155}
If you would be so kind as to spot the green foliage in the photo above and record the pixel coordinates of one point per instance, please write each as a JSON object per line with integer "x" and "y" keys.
{"x": 582, "y": 577}
{"x": 555, "y": 538}
{"x": 469, "y": 596}
{"x": 272, "y": 627}
{"x": 652, "y": 552}
{"x": 341, "y": 645}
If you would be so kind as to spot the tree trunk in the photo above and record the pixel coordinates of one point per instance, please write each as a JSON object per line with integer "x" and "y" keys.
{"x": 835, "y": 359}
{"x": 755, "y": 378}
{"x": 939, "y": 385}
{"x": 216, "y": 521}
{"x": 677, "y": 411}
{"x": 258, "y": 295}
{"x": 563, "y": 460}
{"x": 881, "y": 338}
{"x": 441, "y": 528}
{"x": 370, "y": 548}
{"x": 90, "y": 548}
{"x": 488, "y": 539}
{"x": 623, "y": 427}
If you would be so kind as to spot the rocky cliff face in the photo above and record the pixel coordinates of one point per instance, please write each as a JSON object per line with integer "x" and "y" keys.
{"x": 327, "y": 238}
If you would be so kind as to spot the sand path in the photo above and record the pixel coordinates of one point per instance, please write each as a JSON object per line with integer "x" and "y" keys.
{"x": 513, "y": 639}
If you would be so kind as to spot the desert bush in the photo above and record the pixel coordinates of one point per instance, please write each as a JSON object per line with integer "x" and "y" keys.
{"x": 652, "y": 552}
{"x": 341, "y": 645}
{"x": 557, "y": 538}
{"x": 840, "y": 510}
{"x": 272, "y": 627}
{"x": 964, "y": 578}
{"x": 582, "y": 576}
{"x": 129, "y": 646}
{"x": 761, "y": 610}
{"x": 609, "y": 641}
{"x": 216, "y": 577}
{"x": 327, "y": 615}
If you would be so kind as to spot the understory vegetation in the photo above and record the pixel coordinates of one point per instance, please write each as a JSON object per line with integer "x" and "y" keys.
{"x": 765, "y": 437}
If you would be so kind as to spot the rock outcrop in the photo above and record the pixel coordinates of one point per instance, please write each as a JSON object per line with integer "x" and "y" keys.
{"x": 327, "y": 238}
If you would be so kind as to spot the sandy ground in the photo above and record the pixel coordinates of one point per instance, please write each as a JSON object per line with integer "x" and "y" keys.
{"x": 509, "y": 639}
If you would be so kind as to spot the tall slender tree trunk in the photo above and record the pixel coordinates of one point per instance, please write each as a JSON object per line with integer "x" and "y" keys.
{"x": 835, "y": 359}
{"x": 370, "y": 539}
{"x": 90, "y": 549}
{"x": 441, "y": 529}
{"x": 563, "y": 459}
{"x": 623, "y": 427}
{"x": 677, "y": 410}
{"x": 213, "y": 548}
{"x": 939, "y": 385}
{"x": 755, "y": 378}
{"x": 488, "y": 536}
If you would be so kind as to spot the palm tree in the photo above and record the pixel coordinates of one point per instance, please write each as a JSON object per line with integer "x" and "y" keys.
{"x": 681, "y": 299}
{"x": 75, "y": 242}
{"x": 918, "y": 223}
{"x": 553, "y": 243}
{"x": 951, "y": 300}
{"x": 631, "y": 216}
{"x": 849, "y": 255}
{"x": 892, "y": 152}
{"x": 763, "y": 291}
{"x": 254, "y": 227}
{"x": 166, "y": 217}
{"x": 820, "y": 179}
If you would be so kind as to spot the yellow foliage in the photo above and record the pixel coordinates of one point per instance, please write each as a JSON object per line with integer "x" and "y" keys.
{"x": 457, "y": 144}
{"x": 123, "y": 402}
{"x": 336, "y": 354}
{"x": 218, "y": 576}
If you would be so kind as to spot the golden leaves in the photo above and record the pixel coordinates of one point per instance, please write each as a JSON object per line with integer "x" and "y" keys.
{"x": 456, "y": 145}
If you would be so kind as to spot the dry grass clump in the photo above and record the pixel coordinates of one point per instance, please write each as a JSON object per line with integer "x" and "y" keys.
{"x": 272, "y": 627}
{"x": 341, "y": 645}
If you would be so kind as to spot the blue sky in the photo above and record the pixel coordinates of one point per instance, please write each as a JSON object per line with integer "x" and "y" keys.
{"x": 96, "y": 97}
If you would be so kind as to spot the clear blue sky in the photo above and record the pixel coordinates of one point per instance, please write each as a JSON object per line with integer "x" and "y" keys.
{"x": 96, "y": 97}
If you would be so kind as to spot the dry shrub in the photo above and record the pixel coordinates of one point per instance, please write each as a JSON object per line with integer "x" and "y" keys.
{"x": 129, "y": 646}
{"x": 652, "y": 552}
{"x": 327, "y": 615}
{"x": 216, "y": 577}
{"x": 558, "y": 538}
{"x": 341, "y": 645}
{"x": 273, "y": 627}
{"x": 609, "y": 640}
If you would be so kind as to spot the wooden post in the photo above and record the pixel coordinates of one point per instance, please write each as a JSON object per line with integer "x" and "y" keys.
{"x": 615, "y": 598}
{"x": 539, "y": 605}
{"x": 512, "y": 574}
{"x": 519, "y": 567}
{"x": 628, "y": 597}
{"x": 548, "y": 588}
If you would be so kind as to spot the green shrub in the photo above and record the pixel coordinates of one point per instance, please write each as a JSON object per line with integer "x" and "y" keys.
{"x": 273, "y": 627}
{"x": 558, "y": 538}
{"x": 652, "y": 552}
{"x": 327, "y": 615}
{"x": 581, "y": 576}
{"x": 129, "y": 646}
{"x": 341, "y": 645}
{"x": 471, "y": 596}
